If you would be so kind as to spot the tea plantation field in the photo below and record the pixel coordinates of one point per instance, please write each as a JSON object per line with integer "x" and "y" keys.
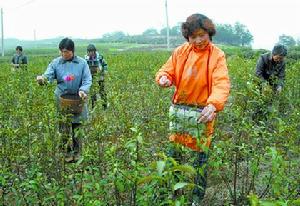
{"x": 252, "y": 161}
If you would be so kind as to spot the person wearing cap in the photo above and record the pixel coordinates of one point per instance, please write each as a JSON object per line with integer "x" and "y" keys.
{"x": 73, "y": 77}
{"x": 19, "y": 59}
{"x": 93, "y": 59}
{"x": 270, "y": 68}
{"x": 198, "y": 71}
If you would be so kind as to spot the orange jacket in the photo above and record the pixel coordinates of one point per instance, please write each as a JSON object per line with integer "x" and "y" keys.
{"x": 199, "y": 76}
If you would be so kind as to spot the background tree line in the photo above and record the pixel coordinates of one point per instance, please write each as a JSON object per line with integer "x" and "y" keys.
{"x": 235, "y": 35}
{"x": 227, "y": 34}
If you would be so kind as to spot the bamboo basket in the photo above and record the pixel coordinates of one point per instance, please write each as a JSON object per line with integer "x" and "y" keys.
{"x": 71, "y": 103}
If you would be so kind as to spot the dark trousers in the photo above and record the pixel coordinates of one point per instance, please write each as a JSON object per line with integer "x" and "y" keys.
{"x": 200, "y": 164}
{"x": 199, "y": 161}
{"x": 102, "y": 93}
{"x": 70, "y": 141}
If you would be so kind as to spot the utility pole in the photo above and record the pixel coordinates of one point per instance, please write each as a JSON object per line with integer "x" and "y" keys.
{"x": 34, "y": 38}
{"x": 2, "y": 33}
{"x": 167, "y": 19}
{"x": 34, "y": 35}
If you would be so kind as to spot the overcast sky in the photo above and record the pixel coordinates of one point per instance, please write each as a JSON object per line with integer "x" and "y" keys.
{"x": 266, "y": 19}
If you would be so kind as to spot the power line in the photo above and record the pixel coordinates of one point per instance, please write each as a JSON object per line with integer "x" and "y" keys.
{"x": 20, "y": 6}
{"x": 25, "y": 4}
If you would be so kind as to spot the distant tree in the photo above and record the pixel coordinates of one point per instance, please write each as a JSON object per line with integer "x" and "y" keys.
{"x": 298, "y": 41}
{"x": 163, "y": 31}
{"x": 150, "y": 32}
{"x": 176, "y": 30}
{"x": 286, "y": 40}
{"x": 225, "y": 34}
{"x": 237, "y": 35}
{"x": 117, "y": 35}
{"x": 243, "y": 35}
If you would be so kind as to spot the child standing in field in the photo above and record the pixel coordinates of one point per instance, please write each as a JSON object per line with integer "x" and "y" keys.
{"x": 198, "y": 71}
{"x": 96, "y": 61}
{"x": 73, "y": 78}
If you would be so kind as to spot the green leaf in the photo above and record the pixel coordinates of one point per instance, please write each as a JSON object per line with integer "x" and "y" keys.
{"x": 149, "y": 179}
{"x": 180, "y": 185}
{"x": 134, "y": 129}
{"x": 253, "y": 200}
{"x": 160, "y": 165}
{"x": 294, "y": 202}
{"x": 77, "y": 197}
{"x": 139, "y": 138}
{"x": 184, "y": 168}
{"x": 177, "y": 203}
{"x": 79, "y": 161}
{"x": 120, "y": 186}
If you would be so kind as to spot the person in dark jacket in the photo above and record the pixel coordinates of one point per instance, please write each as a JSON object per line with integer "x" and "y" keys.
{"x": 270, "y": 68}
{"x": 19, "y": 59}
{"x": 94, "y": 59}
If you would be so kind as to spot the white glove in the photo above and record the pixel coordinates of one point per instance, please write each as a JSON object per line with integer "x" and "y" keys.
{"x": 82, "y": 94}
{"x": 207, "y": 114}
{"x": 164, "y": 81}
{"x": 40, "y": 80}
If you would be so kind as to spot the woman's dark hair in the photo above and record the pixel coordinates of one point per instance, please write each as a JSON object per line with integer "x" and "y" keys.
{"x": 67, "y": 44}
{"x": 91, "y": 47}
{"x": 19, "y": 48}
{"x": 280, "y": 50}
{"x": 195, "y": 22}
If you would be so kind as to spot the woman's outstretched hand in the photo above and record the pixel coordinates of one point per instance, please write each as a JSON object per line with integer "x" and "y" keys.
{"x": 164, "y": 81}
{"x": 82, "y": 95}
{"x": 41, "y": 80}
{"x": 207, "y": 114}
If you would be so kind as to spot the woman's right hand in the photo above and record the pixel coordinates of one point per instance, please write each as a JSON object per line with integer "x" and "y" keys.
{"x": 40, "y": 80}
{"x": 164, "y": 81}
{"x": 208, "y": 114}
{"x": 82, "y": 95}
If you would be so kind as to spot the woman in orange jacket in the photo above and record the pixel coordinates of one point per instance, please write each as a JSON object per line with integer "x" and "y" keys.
{"x": 199, "y": 73}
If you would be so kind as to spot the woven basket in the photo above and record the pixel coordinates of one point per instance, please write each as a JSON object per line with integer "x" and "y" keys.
{"x": 71, "y": 103}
